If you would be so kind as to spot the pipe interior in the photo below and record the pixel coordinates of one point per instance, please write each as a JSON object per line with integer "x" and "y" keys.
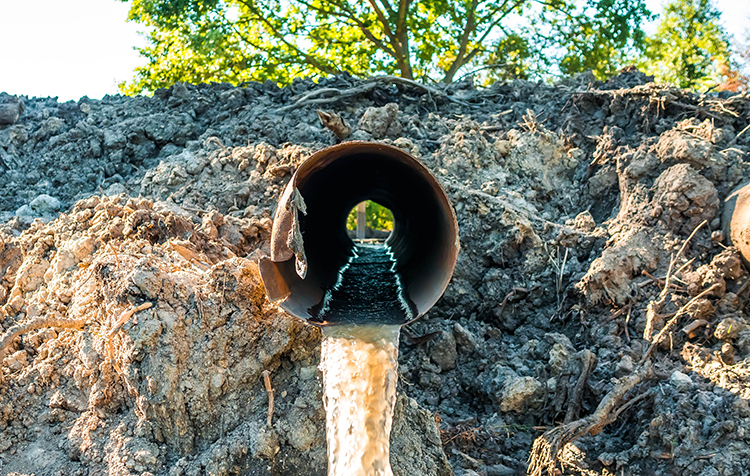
{"x": 423, "y": 240}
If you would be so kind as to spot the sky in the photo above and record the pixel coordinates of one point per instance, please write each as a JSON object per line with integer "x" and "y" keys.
{"x": 73, "y": 48}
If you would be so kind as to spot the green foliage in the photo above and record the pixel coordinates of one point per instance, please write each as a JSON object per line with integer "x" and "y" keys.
{"x": 377, "y": 217}
{"x": 690, "y": 49}
{"x": 432, "y": 40}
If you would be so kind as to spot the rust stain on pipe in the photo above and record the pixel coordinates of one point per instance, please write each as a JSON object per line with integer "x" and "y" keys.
{"x": 736, "y": 219}
{"x": 310, "y": 246}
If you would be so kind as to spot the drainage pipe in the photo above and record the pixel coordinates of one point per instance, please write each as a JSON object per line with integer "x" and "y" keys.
{"x": 310, "y": 246}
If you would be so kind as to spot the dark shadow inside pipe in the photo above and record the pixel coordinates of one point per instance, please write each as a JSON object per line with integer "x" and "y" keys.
{"x": 423, "y": 244}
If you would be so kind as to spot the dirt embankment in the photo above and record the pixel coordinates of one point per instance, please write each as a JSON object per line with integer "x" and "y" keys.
{"x": 574, "y": 201}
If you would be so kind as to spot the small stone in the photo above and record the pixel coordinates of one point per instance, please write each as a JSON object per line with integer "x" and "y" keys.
{"x": 380, "y": 121}
{"x": 680, "y": 381}
{"x": 559, "y": 356}
{"x": 464, "y": 338}
{"x": 115, "y": 189}
{"x": 727, "y": 329}
{"x": 727, "y": 353}
{"x": 584, "y": 221}
{"x": 25, "y": 211}
{"x": 265, "y": 444}
{"x": 16, "y": 361}
{"x": 45, "y": 204}
{"x": 519, "y": 393}
{"x": 10, "y": 112}
{"x": 625, "y": 366}
{"x": 499, "y": 470}
{"x": 728, "y": 263}
{"x": 443, "y": 351}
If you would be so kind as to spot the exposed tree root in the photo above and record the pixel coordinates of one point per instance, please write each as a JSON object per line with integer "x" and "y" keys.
{"x": 546, "y": 448}
{"x": 331, "y": 95}
{"x": 589, "y": 362}
{"x": 38, "y": 323}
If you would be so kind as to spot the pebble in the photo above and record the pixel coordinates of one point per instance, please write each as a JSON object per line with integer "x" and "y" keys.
{"x": 727, "y": 329}
{"x": 464, "y": 338}
{"x": 443, "y": 351}
{"x": 680, "y": 381}
{"x": 10, "y": 112}
{"x": 519, "y": 393}
{"x": 45, "y": 204}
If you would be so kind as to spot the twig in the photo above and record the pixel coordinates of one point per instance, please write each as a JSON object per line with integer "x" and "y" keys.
{"x": 738, "y": 135}
{"x": 589, "y": 362}
{"x": 664, "y": 291}
{"x": 125, "y": 317}
{"x": 117, "y": 259}
{"x": 269, "y": 390}
{"x": 499, "y": 312}
{"x": 619, "y": 312}
{"x": 188, "y": 254}
{"x": 627, "y": 321}
{"x": 38, "y": 323}
{"x": 673, "y": 321}
{"x": 743, "y": 287}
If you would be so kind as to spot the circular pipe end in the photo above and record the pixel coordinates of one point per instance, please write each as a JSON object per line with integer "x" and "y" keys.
{"x": 319, "y": 274}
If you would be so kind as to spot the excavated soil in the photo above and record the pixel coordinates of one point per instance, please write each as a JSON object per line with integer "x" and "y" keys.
{"x": 137, "y": 333}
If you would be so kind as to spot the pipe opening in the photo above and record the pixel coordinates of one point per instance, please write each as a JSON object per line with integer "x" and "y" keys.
{"x": 346, "y": 282}
{"x": 369, "y": 220}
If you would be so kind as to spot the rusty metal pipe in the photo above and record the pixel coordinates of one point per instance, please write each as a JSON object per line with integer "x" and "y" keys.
{"x": 736, "y": 219}
{"x": 309, "y": 240}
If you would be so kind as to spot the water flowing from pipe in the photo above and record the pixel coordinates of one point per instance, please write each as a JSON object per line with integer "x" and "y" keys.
{"x": 359, "y": 365}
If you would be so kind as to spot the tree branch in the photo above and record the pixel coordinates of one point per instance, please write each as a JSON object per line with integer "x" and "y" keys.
{"x": 309, "y": 59}
{"x": 356, "y": 22}
{"x": 402, "y": 58}
{"x": 463, "y": 43}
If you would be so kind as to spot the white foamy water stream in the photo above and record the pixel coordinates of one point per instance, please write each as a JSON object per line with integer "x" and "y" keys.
{"x": 359, "y": 365}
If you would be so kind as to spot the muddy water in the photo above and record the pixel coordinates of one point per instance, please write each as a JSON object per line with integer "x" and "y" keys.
{"x": 359, "y": 366}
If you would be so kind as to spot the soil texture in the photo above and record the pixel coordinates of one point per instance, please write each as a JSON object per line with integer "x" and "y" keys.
{"x": 596, "y": 323}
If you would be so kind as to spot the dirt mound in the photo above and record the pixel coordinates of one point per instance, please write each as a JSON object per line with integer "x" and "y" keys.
{"x": 137, "y": 331}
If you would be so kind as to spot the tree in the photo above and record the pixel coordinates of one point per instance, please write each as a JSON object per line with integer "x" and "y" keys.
{"x": 738, "y": 80}
{"x": 432, "y": 40}
{"x": 377, "y": 217}
{"x": 690, "y": 49}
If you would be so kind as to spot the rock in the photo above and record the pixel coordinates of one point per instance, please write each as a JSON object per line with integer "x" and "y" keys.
{"x": 499, "y": 470}
{"x": 10, "y": 112}
{"x": 680, "y": 381}
{"x": 464, "y": 338}
{"x": 727, "y": 353}
{"x": 16, "y": 361}
{"x": 443, "y": 351}
{"x": 380, "y": 121}
{"x": 560, "y": 353}
{"x": 728, "y": 263}
{"x": 25, "y": 211}
{"x": 519, "y": 393}
{"x": 115, "y": 189}
{"x": 625, "y": 366}
{"x": 728, "y": 329}
{"x": 584, "y": 221}
{"x": 686, "y": 198}
{"x": 45, "y": 204}
{"x": 416, "y": 448}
